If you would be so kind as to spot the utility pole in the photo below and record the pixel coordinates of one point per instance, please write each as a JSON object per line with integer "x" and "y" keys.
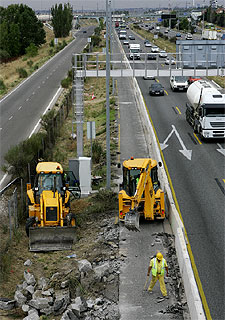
{"x": 108, "y": 162}
{"x": 111, "y": 40}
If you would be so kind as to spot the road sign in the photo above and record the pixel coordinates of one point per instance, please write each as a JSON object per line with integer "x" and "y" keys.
{"x": 91, "y": 129}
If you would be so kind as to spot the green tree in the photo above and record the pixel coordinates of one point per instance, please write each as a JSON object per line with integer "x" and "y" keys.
{"x": 184, "y": 24}
{"x": 62, "y": 17}
{"x": 19, "y": 27}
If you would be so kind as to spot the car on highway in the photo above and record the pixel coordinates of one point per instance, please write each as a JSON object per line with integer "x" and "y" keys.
{"x": 157, "y": 28}
{"x": 178, "y": 35}
{"x": 166, "y": 31}
{"x": 193, "y": 79}
{"x": 162, "y": 54}
{"x": 170, "y": 60}
{"x": 148, "y": 45}
{"x": 148, "y": 77}
{"x": 126, "y": 42}
{"x": 178, "y": 83}
{"x": 155, "y": 49}
{"x": 152, "y": 56}
{"x": 189, "y": 36}
{"x": 156, "y": 89}
{"x": 131, "y": 37}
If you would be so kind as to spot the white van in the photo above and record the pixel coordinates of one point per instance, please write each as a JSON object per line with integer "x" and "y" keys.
{"x": 134, "y": 52}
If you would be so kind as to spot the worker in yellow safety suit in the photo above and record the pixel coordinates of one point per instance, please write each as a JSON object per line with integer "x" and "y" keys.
{"x": 158, "y": 266}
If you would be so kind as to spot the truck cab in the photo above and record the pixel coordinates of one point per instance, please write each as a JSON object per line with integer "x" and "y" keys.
{"x": 206, "y": 110}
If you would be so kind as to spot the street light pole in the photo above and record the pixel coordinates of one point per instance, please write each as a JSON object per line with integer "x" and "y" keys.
{"x": 108, "y": 162}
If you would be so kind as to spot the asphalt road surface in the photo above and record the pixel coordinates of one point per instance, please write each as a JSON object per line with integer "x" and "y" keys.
{"x": 198, "y": 182}
{"x": 21, "y": 110}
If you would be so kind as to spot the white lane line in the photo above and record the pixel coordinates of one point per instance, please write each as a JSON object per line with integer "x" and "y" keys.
{"x": 46, "y": 77}
{"x": 39, "y": 87}
{"x": 10, "y": 118}
{"x": 20, "y": 108}
{"x": 4, "y": 177}
{"x": 44, "y": 112}
{"x": 43, "y": 82}
{"x": 0, "y": 129}
{"x": 27, "y": 99}
{"x": 33, "y": 93}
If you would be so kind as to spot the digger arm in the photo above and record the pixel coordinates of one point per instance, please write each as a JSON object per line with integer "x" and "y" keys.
{"x": 141, "y": 186}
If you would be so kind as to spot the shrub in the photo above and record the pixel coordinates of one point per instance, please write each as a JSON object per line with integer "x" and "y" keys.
{"x": 4, "y": 55}
{"x": 46, "y": 120}
{"x": 36, "y": 66}
{"x": 97, "y": 152}
{"x": 32, "y": 50}
{"x": 22, "y": 72}
{"x": 52, "y": 44}
{"x": 65, "y": 83}
{"x": 20, "y": 155}
{"x": 173, "y": 39}
{"x": 2, "y": 85}
{"x": 30, "y": 63}
{"x": 95, "y": 40}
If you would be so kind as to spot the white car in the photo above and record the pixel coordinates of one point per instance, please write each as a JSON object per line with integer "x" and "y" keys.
{"x": 148, "y": 44}
{"x": 126, "y": 42}
{"x": 166, "y": 31}
{"x": 189, "y": 36}
{"x": 179, "y": 83}
{"x": 155, "y": 49}
{"x": 163, "y": 54}
{"x": 170, "y": 60}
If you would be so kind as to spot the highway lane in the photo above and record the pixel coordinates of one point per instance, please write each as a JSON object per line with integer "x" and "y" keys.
{"x": 21, "y": 110}
{"x": 199, "y": 187}
{"x": 200, "y": 197}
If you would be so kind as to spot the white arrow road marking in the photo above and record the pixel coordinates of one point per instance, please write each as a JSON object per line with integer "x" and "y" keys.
{"x": 221, "y": 150}
{"x": 164, "y": 145}
{"x": 184, "y": 151}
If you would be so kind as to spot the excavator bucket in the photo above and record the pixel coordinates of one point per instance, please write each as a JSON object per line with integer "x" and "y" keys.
{"x": 131, "y": 221}
{"x": 51, "y": 238}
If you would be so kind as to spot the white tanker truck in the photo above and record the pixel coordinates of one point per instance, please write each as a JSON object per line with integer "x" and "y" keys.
{"x": 206, "y": 110}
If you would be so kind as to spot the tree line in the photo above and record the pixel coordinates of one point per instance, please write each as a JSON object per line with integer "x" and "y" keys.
{"x": 19, "y": 28}
{"x": 62, "y": 20}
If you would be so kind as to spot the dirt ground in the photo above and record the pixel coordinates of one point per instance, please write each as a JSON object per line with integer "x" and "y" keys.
{"x": 88, "y": 246}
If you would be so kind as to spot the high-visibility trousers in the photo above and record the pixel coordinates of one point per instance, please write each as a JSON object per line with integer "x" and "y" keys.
{"x": 161, "y": 283}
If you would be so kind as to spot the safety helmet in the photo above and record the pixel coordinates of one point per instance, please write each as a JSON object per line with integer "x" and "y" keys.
{"x": 159, "y": 256}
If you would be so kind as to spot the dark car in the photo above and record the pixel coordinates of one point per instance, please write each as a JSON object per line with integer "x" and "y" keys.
{"x": 152, "y": 56}
{"x": 131, "y": 37}
{"x": 178, "y": 35}
{"x": 156, "y": 89}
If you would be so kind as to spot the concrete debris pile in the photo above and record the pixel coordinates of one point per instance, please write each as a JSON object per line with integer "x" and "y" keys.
{"x": 88, "y": 291}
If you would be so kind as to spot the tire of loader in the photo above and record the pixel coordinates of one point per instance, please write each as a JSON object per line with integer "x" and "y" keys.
{"x": 29, "y": 223}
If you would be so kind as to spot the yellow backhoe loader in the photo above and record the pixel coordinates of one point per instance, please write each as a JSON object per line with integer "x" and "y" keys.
{"x": 50, "y": 225}
{"x": 141, "y": 193}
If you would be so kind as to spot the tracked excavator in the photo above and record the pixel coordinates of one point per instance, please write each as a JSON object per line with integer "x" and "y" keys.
{"x": 50, "y": 225}
{"x": 140, "y": 194}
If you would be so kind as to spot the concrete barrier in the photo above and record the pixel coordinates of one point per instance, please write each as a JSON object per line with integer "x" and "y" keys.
{"x": 190, "y": 285}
